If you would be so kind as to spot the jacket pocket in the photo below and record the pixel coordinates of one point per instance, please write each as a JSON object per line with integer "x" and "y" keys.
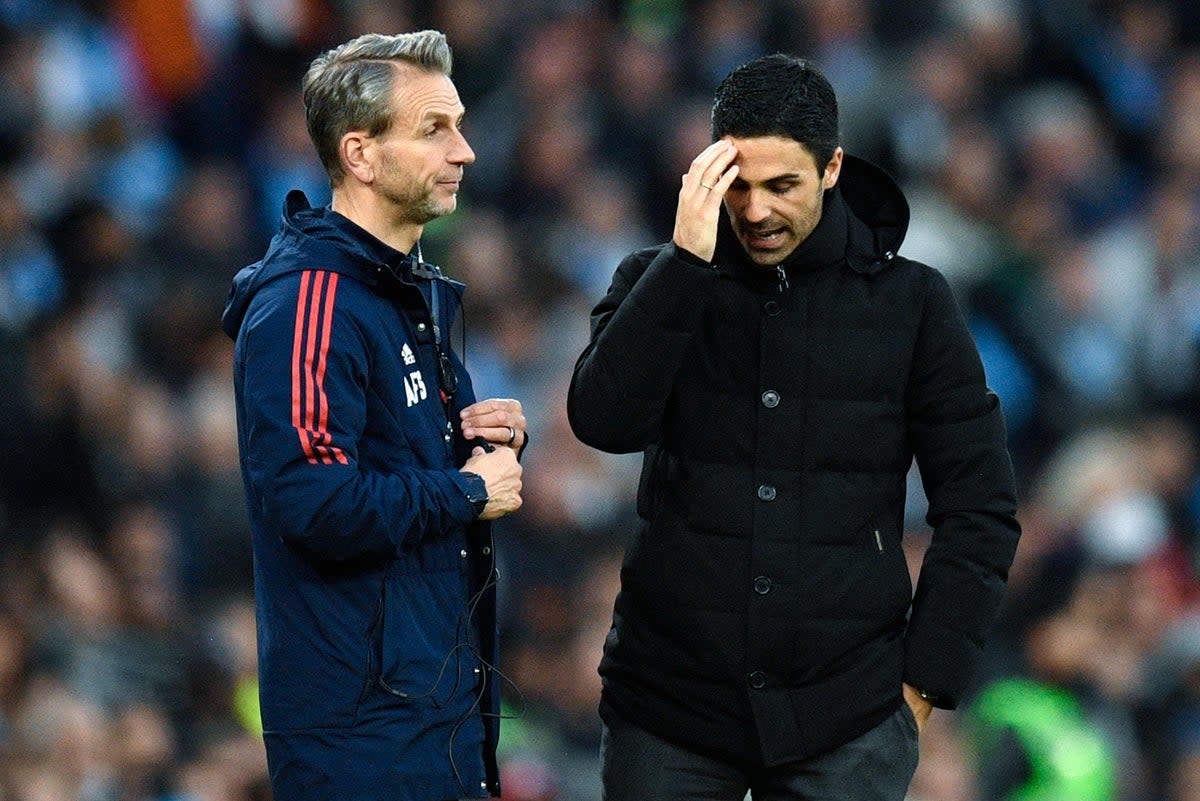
{"x": 374, "y": 644}
{"x": 882, "y": 540}
{"x": 424, "y": 645}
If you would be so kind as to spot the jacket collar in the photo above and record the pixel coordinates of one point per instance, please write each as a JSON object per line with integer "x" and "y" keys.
{"x": 826, "y": 245}
{"x": 354, "y": 244}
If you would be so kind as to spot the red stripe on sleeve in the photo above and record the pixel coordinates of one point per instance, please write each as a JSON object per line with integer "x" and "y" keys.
{"x": 298, "y": 385}
{"x": 310, "y": 352}
{"x": 323, "y": 400}
{"x": 310, "y": 358}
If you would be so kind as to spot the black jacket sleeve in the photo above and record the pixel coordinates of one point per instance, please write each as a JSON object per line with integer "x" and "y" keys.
{"x": 640, "y": 333}
{"x": 958, "y": 436}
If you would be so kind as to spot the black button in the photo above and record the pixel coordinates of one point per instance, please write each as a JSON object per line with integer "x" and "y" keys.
{"x": 770, "y": 399}
{"x": 757, "y": 679}
{"x": 766, "y": 492}
{"x": 771, "y": 307}
{"x": 762, "y": 585}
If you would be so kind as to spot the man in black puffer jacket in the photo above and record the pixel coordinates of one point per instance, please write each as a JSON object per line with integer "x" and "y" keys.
{"x": 781, "y": 366}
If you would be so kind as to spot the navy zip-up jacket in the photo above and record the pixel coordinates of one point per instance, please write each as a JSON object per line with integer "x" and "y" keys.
{"x": 373, "y": 578}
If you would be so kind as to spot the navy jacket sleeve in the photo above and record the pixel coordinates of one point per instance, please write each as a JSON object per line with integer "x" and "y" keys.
{"x": 958, "y": 436}
{"x": 640, "y": 333}
{"x": 303, "y": 362}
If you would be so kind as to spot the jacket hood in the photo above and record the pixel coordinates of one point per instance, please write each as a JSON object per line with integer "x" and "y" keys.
{"x": 865, "y": 219}
{"x": 325, "y": 238}
{"x": 878, "y": 214}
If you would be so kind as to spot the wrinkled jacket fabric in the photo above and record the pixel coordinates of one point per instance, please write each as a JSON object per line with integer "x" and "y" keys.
{"x": 375, "y": 604}
{"x": 766, "y": 612}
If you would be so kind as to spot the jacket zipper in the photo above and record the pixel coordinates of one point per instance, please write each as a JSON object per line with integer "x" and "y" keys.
{"x": 782, "y": 276}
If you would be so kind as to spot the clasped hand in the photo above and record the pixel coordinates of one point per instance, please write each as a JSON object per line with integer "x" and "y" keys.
{"x": 497, "y": 420}
{"x": 500, "y": 422}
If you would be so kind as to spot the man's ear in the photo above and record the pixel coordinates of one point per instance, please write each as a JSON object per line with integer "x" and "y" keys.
{"x": 356, "y": 151}
{"x": 832, "y": 170}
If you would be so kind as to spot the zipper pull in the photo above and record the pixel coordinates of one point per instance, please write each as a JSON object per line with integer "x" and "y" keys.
{"x": 782, "y": 275}
{"x": 878, "y": 541}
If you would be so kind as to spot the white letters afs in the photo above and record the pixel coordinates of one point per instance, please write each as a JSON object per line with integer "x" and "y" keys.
{"x": 414, "y": 388}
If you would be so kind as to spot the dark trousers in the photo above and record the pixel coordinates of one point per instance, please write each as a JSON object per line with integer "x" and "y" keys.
{"x": 878, "y": 766}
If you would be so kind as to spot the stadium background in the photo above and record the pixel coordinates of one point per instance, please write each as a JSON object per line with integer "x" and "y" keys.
{"x": 1051, "y": 153}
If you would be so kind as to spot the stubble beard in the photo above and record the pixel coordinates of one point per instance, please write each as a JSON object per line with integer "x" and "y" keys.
{"x": 414, "y": 202}
{"x": 427, "y": 210}
{"x": 418, "y": 207}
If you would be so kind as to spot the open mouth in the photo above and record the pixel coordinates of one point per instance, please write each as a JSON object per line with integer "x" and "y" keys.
{"x": 765, "y": 239}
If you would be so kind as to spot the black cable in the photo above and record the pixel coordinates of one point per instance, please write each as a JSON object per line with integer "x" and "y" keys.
{"x": 448, "y": 381}
{"x": 504, "y": 678}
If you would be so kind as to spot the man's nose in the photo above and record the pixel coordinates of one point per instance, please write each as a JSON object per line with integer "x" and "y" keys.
{"x": 462, "y": 152}
{"x": 756, "y": 209}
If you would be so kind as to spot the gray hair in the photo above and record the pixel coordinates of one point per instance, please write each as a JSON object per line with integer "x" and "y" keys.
{"x": 349, "y": 88}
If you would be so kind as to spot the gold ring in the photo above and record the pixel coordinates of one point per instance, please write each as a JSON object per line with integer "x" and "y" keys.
{"x": 706, "y": 186}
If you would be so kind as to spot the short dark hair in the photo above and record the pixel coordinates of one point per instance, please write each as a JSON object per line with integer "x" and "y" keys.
{"x": 779, "y": 95}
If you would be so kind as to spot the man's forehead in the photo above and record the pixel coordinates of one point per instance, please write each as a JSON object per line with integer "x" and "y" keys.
{"x": 771, "y": 154}
{"x": 423, "y": 95}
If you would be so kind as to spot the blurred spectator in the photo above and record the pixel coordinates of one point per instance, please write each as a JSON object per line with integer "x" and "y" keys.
{"x": 1051, "y": 151}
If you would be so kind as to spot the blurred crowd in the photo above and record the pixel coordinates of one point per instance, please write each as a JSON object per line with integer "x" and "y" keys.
{"x": 1050, "y": 150}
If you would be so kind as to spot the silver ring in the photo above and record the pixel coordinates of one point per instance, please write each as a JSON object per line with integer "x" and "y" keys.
{"x": 706, "y": 186}
{"x": 512, "y": 435}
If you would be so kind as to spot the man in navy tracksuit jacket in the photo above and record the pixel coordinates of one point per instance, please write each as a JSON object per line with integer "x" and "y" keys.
{"x": 371, "y": 472}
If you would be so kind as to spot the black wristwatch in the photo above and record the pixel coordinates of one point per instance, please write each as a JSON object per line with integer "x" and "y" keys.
{"x": 477, "y": 492}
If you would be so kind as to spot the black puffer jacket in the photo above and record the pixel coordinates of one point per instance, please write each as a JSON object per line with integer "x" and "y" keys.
{"x": 764, "y": 606}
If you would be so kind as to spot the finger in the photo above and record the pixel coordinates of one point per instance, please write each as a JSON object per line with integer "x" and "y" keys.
{"x": 497, "y": 434}
{"x": 702, "y": 164}
{"x": 720, "y": 150}
{"x": 483, "y": 406}
{"x": 724, "y": 182}
{"x": 485, "y": 415}
{"x": 709, "y": 153}
{"x": 717, "y": 169}
{"x": 476, "y": 430}
{"x": 500, "y": 420}
{"x": 479, "y": 408}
